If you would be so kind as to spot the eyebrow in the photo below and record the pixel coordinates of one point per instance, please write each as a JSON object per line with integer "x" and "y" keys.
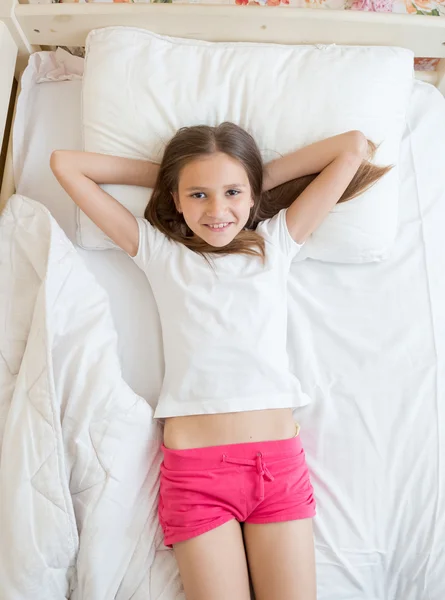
{"x": 231, "y": 185}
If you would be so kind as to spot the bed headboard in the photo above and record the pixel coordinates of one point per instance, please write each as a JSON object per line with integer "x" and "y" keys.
{"x": 68, "y": 24}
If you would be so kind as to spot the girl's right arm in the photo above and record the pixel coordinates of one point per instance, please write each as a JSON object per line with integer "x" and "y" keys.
{"x": 80, "y": 174}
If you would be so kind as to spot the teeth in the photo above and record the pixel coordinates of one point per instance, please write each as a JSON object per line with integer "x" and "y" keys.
{"x": 218, "y": 225}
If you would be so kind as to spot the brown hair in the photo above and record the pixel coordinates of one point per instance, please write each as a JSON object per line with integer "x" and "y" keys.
{"x": 283, "y": 195}
{"x": 191, "y": 143}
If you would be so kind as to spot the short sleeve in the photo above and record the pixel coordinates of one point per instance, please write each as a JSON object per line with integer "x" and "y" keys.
{"x": 150, "y": 240}
{"x": 275, "y": 231}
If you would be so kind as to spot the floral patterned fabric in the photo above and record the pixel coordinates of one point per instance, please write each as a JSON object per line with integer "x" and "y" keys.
{"x": 435, "y": 8}
{"x": 419, "y": 7}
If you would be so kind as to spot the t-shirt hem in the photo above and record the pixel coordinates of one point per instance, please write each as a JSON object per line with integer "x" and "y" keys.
{"x": 169, "y": 408}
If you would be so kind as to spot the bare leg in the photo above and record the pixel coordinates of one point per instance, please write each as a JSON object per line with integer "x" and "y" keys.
{"x": 282, "y": 560}
{"x": 213, "y": 565}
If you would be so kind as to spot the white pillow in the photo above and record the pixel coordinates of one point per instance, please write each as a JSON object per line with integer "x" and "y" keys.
{"x": 139, "y": 88}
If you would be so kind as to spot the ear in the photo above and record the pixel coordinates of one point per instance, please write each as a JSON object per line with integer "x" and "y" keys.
{"x": 175, "y": 197}
{"x": 252, "y": 202}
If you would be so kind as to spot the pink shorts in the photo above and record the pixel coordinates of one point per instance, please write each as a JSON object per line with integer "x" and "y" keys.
{"x": 203, "y": 488}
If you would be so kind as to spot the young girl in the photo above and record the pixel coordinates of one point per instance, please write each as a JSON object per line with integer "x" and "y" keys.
{"x": 216, "y": 244}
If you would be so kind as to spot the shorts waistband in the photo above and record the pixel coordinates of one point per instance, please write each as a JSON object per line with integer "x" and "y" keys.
{"x": 212, "y": 456}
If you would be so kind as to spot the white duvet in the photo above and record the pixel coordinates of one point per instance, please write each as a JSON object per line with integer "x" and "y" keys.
{"x": 80, "y": 452}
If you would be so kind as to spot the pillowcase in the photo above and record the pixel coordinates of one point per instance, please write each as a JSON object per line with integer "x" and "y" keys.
{"x": 139, "y": 88}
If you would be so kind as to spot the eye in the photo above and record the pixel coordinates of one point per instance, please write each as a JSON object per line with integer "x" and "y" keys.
{"x": 233, "y": 192}
{"x": 198, "y": 195}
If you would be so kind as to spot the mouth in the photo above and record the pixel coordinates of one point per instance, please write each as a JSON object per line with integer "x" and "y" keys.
{"x": 218, "y": 227}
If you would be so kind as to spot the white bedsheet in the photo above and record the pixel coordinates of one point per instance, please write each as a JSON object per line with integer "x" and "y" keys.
{"x": 368, "y": 343}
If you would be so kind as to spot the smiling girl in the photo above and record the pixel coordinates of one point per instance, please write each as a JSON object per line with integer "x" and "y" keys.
{"x": 216, "y": 244}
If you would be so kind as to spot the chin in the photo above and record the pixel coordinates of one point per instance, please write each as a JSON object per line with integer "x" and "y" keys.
{"x": 217, "y": 240}
{"x": 219, "y": 243}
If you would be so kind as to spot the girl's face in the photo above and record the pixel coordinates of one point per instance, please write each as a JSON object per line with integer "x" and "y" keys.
{"x": 214, "y": 197}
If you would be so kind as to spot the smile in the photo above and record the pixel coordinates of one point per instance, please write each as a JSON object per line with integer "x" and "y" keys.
{"x": 218, "y": 226}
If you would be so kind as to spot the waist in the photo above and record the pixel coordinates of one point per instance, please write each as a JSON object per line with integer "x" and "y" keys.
{"x": 239, "y": 454}
{"x": 202, "y": 431}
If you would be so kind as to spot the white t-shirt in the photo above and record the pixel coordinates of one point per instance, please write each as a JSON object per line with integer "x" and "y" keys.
{"x": 224, "y": 326}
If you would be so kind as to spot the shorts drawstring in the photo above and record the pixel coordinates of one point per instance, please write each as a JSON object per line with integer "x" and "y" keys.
{"x": 262, "y": 470}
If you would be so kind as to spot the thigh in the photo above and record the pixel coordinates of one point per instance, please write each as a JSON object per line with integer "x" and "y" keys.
{"x": 281, "y": 560}
{"x": 213, "y": 565}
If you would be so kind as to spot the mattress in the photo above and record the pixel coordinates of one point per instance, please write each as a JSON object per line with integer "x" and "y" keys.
{"x": 366, "y": 341}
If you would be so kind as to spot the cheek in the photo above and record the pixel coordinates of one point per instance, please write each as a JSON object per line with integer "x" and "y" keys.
{"x": 190, "y": 209}
{"x": 246, "y": 205}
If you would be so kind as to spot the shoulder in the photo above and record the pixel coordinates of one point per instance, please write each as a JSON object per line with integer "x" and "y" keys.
{"x": 276, "y": 232}
{"x": 151, "y": 242}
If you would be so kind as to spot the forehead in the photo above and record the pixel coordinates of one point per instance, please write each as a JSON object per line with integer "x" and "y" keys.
{"x": 216, "y": 170}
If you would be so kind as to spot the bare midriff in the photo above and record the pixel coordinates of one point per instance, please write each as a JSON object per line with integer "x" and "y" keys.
{"x": 200, "y": 431}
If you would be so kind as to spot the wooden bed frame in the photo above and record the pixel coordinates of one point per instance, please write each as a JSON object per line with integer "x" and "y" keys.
{"x": 27, "y": 27}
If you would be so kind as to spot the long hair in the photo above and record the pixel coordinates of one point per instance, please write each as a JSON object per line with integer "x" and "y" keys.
{"x": 191, "y": 143}
{"x": 283, "y": 195}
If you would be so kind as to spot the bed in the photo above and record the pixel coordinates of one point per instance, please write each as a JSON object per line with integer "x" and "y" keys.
{"x": 375, "y": 369}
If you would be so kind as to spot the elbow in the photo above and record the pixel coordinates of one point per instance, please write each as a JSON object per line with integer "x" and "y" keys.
{"x": 131, "y": 249}
{"x": 351, "y": 160}
{"x": 359, "y": 143}
{"x": 56, "y": 161}
{"x": 61, "y": 162}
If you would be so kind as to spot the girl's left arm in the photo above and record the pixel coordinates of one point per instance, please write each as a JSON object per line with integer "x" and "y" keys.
{"x": 336, "y": 159}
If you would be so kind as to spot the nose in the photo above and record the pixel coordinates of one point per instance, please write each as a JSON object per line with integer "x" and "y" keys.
{"x": 216, "y": 207}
